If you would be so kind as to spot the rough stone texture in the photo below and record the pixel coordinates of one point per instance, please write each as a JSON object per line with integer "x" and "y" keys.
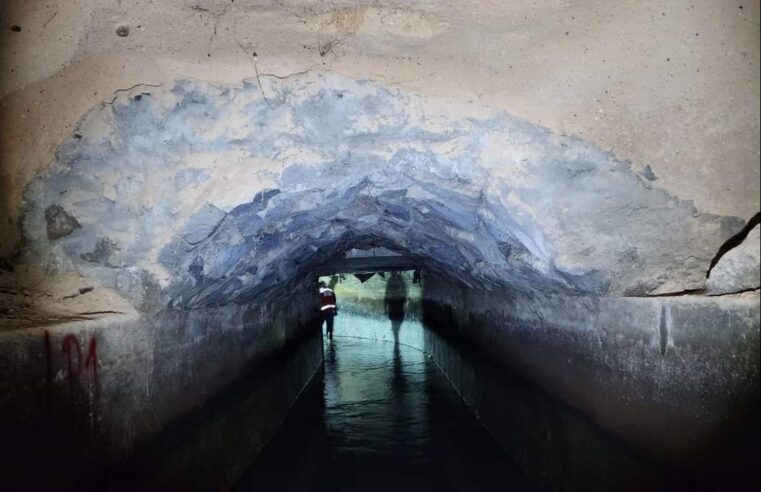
{"x": 94, "y": 391}
{"x": 59, "y": 222}
{"x": 566, "y": 68}
{"x": 689, "y": 109}
{"x": 202, "y": 224}
{"x": 677, "y": 377}
{"x": 740, "y": 268}
{"x": 217, "y": 195}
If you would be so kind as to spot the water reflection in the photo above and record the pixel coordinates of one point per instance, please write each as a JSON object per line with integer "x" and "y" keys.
{"x": 381, "y": 417}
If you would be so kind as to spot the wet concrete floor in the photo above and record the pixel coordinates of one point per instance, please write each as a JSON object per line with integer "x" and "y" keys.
{"x": 381, "y": 416}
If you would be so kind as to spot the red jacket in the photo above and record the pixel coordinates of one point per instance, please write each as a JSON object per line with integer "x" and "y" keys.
{"x": 328, "y": 299}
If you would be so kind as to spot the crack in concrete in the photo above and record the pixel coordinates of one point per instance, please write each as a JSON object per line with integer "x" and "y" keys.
{"x": 734, "y": 241}
{"x": 141, "y": 84}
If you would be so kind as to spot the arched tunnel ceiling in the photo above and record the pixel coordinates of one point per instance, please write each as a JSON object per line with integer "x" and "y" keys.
{"x": 671, "y": 86}
{"x": 212, "y": 194}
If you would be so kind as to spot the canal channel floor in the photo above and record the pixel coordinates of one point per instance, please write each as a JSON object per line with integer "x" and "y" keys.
{"x": 381, "y": 416}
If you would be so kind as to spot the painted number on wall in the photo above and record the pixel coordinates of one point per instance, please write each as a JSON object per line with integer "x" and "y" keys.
{"x": 76, "y": 361}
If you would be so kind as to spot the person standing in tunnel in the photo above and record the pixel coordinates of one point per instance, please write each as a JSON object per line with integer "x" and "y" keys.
{"x": 328, "y": 307}
{"x": 395, "y": 301}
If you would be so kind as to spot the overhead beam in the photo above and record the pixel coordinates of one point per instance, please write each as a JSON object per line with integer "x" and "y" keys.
{"x": 369, "y": 264}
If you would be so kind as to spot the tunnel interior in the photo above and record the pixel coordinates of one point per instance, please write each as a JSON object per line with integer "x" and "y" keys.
{"x": 166, "y": 281}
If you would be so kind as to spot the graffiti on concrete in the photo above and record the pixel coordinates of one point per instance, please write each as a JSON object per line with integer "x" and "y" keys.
{"x": 75, "y": 364}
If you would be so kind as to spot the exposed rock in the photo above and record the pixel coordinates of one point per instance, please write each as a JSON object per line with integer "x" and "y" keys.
{"x": 70, "y": 59}
{"x": 648, "y": 174}
{"x": 102, "y": 252}
{"x": 59, "y": 222}
{"x": 267, "y": 190}
{"x": 202, "y": 224}
{"x": 196, "y": 268}
{"x": 740, "y": 268}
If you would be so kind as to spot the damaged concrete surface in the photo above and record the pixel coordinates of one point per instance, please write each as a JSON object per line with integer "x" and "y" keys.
{"x": 688, "y": 110}
{"x": 201, "y": 194}
{"x": 740, "y": 268}
{"x": 556, "y": 70}
{"x": 35, "y": 298}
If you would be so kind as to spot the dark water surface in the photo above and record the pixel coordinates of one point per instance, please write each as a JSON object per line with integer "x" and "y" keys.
{"x": 380, "y": 416}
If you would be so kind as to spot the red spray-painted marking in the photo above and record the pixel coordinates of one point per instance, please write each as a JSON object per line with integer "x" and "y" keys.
{"x": 68, "y": 341}
{"x": 69, "y": 345}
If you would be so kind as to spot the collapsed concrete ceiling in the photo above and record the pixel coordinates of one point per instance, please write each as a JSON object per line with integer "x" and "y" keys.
{"x": 185, "y": 151}
{"x": 217, "y": 194}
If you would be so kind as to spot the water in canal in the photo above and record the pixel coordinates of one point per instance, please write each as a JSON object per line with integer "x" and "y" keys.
{"x": 380, "y": 416}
